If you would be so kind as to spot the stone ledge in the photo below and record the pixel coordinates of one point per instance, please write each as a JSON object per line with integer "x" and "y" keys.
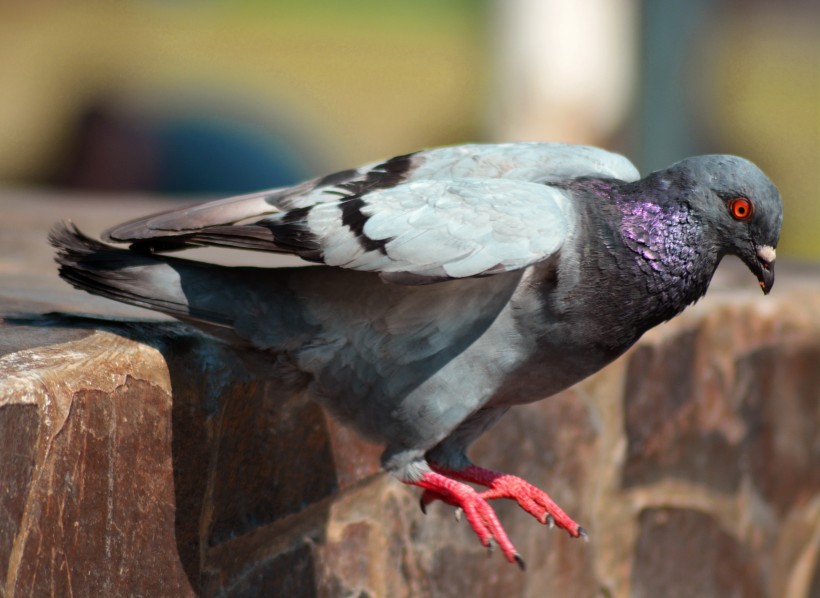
{"x": 147, "y": 438}
{"x": 143, "y": 458}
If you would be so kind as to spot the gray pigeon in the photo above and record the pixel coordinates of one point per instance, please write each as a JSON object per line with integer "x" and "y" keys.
{"x": 456, "y": 283}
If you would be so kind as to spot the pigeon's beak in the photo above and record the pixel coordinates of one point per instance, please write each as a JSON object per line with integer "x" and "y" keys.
{"x": 765, "y": 267}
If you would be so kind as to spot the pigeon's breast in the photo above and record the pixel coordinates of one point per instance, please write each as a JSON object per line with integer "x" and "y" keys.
{"x": 402, "y": 361}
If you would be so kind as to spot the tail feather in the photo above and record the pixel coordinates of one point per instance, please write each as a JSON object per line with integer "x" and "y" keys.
{"x": 139, "y": 279}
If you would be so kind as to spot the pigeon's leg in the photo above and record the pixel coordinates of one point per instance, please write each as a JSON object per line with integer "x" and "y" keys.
{"x": 533, "y": 500}
{"x": 449, "y": 459}
{"x": 476, "y": 509}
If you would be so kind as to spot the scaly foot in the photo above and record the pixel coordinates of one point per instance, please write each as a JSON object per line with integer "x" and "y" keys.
{"x": 476, "y": 509}
{"x": 533, "y": 500}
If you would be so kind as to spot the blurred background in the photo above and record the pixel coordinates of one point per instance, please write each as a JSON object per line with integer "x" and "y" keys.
{"x": 215, "y": 97}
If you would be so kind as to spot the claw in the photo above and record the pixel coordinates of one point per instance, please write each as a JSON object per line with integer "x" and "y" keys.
{"x": 458, "y": 513}
{"x": 534, "y": 501}
{"x": 471, "y": 506}
{"x": 428, "y": 497}
{"x": 520, "y": 562}
{"x": 582, "y": 533}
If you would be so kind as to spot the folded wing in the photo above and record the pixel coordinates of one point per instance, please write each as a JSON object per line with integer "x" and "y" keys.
{"x": 453, "y": 212}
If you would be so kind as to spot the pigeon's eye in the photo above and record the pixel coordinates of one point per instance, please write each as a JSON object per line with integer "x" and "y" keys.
{"x": 741, "y": 208}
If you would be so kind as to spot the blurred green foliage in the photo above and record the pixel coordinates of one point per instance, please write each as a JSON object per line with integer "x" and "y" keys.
{"x": 354, "y": 81}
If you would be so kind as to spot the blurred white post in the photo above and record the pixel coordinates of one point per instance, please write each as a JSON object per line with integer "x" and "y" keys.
{"x": 565, "y": 69}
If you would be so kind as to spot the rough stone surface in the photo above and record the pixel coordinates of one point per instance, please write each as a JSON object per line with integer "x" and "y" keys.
{"x": 140, "y": 458}
{"x": 684, "y": 553}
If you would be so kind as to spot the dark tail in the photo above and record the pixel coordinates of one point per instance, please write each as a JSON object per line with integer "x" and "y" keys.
{"x": 141, "y": 279}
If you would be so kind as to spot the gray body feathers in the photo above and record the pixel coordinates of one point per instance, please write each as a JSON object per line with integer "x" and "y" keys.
{"x": 456, "y": 282}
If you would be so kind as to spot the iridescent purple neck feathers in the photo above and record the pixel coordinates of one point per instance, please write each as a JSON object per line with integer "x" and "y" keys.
{"x": 656, "y": 255}
{"x": 668, "y": 244}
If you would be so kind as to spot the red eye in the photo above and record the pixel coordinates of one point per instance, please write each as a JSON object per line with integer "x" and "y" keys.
{"x": 741, "y": 208}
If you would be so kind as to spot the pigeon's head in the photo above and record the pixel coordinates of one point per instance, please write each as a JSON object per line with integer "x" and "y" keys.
{"x": 742, "y": 205}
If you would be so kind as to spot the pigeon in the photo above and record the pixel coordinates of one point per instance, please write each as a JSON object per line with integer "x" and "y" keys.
{"x": 447, "y": 286}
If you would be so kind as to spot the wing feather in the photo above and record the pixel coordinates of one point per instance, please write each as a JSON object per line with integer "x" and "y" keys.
{"x": 449, "y": 229}
{"x": 452, "y": 212}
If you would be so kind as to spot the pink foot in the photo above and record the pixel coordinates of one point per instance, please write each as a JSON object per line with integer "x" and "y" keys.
{"x": 533, "y": 500}
{"x": 477, "y": 511}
